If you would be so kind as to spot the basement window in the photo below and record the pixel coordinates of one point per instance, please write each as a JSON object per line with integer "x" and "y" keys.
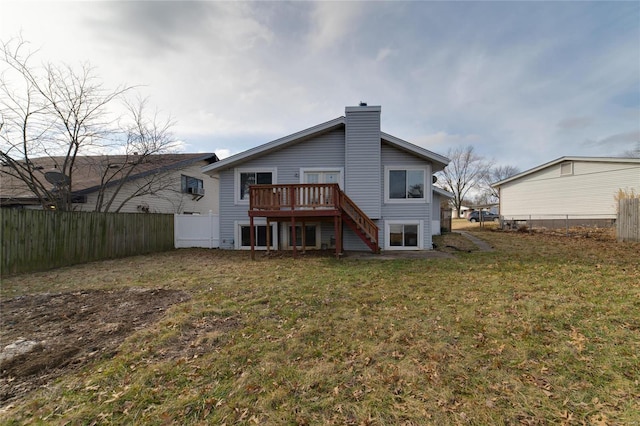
{"x": 403, "y": 235}
{"x": 243, "y": 236}
{"x": 311, "y": 236}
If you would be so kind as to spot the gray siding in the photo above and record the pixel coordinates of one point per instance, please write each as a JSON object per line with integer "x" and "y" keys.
{"x": 364, "y": 178}
{"x": 391, "y": 156}
{"x": 323, "y": 151}
{"x": 229, "y": 212}
{"x": 351, "y": 242}
{"x": 362, "y": 158}
{"x": 435, "y": 213}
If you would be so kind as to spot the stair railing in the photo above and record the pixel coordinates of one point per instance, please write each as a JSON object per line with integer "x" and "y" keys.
{"x": 362, "y": 221}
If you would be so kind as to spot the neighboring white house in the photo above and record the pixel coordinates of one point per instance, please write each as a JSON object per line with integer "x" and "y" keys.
{"x": 464, "y": 211}
{"x": 581, "y": 189}
{"x": 162, "y": 183}
{"x": 291, "y": 191}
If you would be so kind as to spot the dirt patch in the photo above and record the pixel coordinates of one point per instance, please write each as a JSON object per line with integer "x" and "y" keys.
{"x": 578, "y": 232}
{"x": 200, "y": 336}
{"x": 47, "y": 335}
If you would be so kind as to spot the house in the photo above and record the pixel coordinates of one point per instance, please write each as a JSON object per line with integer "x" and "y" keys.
{"x": 464, "y": 212}
{"x": 493, "y": 208}
{"x": 299, "y": 190}
{"x": 569, "y": 190}
{"x": 160, "y": 183}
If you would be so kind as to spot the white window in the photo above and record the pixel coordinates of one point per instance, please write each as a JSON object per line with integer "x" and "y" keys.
{"x": 322, "y": 175}
{"x": 405, "y": 184}
{"x": 403, "y": 234}
{"x": 243, "y": 235}
{"x": 246, "y": 177}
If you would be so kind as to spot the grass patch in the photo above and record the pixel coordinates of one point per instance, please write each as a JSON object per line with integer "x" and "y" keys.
{"x": 544, "y": 329}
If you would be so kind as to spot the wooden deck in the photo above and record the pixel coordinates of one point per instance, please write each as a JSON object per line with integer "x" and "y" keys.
{"x": 303, "y": 202}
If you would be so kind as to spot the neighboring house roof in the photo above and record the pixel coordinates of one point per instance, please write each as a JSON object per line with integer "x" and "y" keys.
{"x": 484, "y": 206}
{"x": 439, "y": 161}
{"x": 442, "y": 192}
{"x": 88, "y": 170}
{"x": 612, "y": 160}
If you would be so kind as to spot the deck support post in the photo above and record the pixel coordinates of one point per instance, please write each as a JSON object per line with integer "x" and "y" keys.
{"x": 339, "y": 240}
{"x": 337, "y": 230}
{"x": 293, "y": 235}
{"x": 304, "y": 239}
{"x": 252, "y": 237}
{"x": 268, "y": 236}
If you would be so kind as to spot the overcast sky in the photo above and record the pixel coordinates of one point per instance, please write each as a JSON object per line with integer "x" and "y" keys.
{"x": 525, "y": 83}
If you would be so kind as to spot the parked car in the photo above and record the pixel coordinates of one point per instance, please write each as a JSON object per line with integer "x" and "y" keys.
{"x": 486, "y": 216}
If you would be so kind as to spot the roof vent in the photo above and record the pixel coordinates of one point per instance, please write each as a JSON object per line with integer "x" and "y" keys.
{"x": 363, "y": 103}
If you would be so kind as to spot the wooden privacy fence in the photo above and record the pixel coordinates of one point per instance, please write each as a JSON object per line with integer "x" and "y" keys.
{"x": 35, "y": 240}
{"x": 628, "y": 222}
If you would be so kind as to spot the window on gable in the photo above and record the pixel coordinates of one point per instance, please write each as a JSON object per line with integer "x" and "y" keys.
{"x": 249, "y": 178}
{"x": 405, "y": 184}
{"x": 566, "y": 168}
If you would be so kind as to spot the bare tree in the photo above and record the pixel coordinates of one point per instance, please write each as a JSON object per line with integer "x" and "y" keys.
{"x": 633, "y": 152}
{"x": 489, "y": 194}
{"x": 143, "y": 138}
{"x": 466, "y": 171}
{"x": 56, "y": 111}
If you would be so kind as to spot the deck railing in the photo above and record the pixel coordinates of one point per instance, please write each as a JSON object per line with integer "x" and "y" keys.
{"x": 302, "y": 196}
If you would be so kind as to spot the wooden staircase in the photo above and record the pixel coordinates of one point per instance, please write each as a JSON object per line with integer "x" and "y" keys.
{"x": 359, "y": 222}
{"x": 299, "y": 202}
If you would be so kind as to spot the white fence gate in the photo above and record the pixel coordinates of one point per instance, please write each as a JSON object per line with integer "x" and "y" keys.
{"x": 191, "y": 230}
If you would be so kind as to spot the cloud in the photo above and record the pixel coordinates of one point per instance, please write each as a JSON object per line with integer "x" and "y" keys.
{"x": 571, "y": 123}
{"x": 332, "y": 22}
{"x": 223, "y": 153}
{"x": 444, "y": 141}
{"x": 152, "y": 28}
{"x": 523, "y": 82}
{"x": 616, "y": 139}
{"x": 382, "y": 54}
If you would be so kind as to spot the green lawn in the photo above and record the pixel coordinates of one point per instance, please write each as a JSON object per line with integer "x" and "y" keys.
{"x": 543, "y": 330}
